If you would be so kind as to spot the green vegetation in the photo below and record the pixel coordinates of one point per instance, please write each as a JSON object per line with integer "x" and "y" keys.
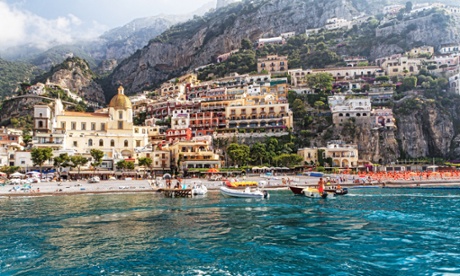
{"x": 14, "y": 73}
{"x": 40, "y": 155}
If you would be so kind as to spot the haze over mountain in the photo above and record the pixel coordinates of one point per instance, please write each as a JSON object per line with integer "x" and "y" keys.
{"x": 45, "y": 50}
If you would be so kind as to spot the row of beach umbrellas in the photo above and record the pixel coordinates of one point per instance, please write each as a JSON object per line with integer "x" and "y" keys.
{"x": 270, "y": 169}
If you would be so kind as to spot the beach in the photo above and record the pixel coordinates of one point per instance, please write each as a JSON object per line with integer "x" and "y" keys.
{"x": 149, "y": 186}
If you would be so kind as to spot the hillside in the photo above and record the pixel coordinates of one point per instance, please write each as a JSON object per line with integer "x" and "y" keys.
{"x": 199, "y": 41}
{"x": 13, "y": 73}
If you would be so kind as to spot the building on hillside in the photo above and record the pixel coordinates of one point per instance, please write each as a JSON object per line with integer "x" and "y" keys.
{"x": 273, "y": 64}
{"x": 194, "y": 154}
{"x": 402, "y": 66}
{"x": 162, "y": 110}
{"x": 342, "y": 155}
{"x": 309, "y": 32}
{"x": 340, "y": 73}
{"x": 309, "y": 155}
{"x": 176, "y": 135}
{"x": 11, "y": 138}
{"x": 426, "y": 51}
{"x": 337, "y": 23}
{"x": 381, "y": 94}
{"x": 344, "y": 108}
{"x": 272, "y": 40}
{"x": 264, "y": 117}
{"x": 287, "y": 35}
{"x": 383, "y": 118}
{"x": 454, "y": 84}
{"x": 355, "y": 61}
{"x": 449, "y": 49}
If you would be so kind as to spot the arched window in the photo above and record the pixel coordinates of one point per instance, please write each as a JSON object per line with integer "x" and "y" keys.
{"x": 126, "y": 143}
{"x": 112, "y": 143}
{"x": 90, "y": 142}
{"x": 101, "y": 143}
{"x": 40, "y": 124}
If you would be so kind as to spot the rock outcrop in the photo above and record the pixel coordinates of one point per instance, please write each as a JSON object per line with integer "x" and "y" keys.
{"x": 74, "y": 74}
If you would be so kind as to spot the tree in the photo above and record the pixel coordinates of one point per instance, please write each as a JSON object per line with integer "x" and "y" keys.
{"x": 240, "y": 154}
{"x": 145, "y": 162}
{"x": 259, "y": 152}
{"x": 61, "y": 161}
{"x": 409, "y": 7}
{"x": 320, "y": 82}
{"x": 318, "y": 105}
{"x": 97, "y": 156}
{"x": 40, "y": 156}
{"x": 9, "y": 169}
{"x": 288, "y": 160}
{"x": 246, "y": 44}
{"x": 78, "y": 161}
{"x": 409, "y": 83}
{"x": 26, "y": 138}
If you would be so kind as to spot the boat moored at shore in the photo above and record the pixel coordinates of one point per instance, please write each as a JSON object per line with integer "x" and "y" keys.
{"x": 246, "y": 193}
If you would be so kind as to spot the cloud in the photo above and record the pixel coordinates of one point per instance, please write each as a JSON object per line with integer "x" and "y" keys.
{"x": 20, "y": 27}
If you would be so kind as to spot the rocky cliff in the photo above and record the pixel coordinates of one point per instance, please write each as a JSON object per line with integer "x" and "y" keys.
{"x": 199, "y": 41}
{"x": 74, "y": 74}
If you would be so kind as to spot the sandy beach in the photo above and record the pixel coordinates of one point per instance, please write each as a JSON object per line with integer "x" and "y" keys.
{"x": 148, "y": 186}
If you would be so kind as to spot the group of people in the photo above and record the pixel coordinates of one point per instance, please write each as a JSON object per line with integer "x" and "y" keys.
{"x": 322, "y": 184}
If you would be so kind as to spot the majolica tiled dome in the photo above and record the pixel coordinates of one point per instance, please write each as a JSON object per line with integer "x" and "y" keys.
{"x": 120, "y": 101}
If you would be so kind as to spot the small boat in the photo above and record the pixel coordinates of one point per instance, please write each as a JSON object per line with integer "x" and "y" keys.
{"x": 246, "y": 193}
{"x": 236, "y": 184}
{"x": 297, "y": 190}
{"x": 337, "y": 191}
{"x": 313, "y": 193}
{"x": 94, "y": 179}
{"x": 199, "y": 189}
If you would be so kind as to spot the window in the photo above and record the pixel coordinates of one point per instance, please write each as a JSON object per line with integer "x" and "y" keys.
{"x": 73, "y": 126}
{"x": 63, "y": 125}
{"x": 90, "y": 142}
{"x": 136, "y": 130}
{"x": 112, "y": 143}
{"x": 75, "y": 144}
{"x": 126, "y": 143}
{"x": 101, "y": 143}
{"x": 83, "y": 126}
{"x": 138, "y": 143}
{"x": 120, "y": 124}
{"x": 102, "y": 126}
{"x": 120, "y": 115}
{"x": 40, "y": 124}
{"x": 93, "y": 126}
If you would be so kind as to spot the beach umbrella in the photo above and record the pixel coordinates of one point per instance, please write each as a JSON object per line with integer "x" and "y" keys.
{"x": 166, "y": 176}
{"x": 213, "y": 170}
{"x": 16, "y": 174}
{"x": 255, "y": 168}
{"x": 285, "y": 168}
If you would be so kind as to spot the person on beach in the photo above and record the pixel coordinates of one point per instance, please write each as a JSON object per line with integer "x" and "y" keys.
{"x": 321, "y": 185}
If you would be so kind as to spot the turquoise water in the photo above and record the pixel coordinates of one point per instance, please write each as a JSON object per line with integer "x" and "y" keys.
{"x": 368, "y": 232}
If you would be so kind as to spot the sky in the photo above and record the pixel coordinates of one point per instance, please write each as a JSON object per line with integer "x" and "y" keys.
{"x": 44, "y": 22}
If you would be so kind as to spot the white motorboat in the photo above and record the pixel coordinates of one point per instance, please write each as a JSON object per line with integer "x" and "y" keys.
{"x": 313, "y": 193}
{"x": 199, "y": 189}
{"x": 94, "y": 179}
{"x": 246, "y": 193}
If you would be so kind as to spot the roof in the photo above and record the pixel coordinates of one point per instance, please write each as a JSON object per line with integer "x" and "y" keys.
{"x": 120, "y": 101}
{"x": 84, "y": 114}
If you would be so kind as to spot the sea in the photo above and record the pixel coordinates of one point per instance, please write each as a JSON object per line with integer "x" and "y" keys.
{"x": 370, "y": 231}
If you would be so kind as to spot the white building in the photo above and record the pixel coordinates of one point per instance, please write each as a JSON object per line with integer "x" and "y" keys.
{"x": 454, "y": 84}
{"x": 337, "y": 23}
{"x": 344, "y": 108}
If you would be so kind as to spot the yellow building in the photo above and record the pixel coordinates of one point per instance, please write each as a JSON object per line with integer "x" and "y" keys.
{"x": 272, "y": 64}
{"x": 193, "y": 154}
{"x": 341, "y": 154}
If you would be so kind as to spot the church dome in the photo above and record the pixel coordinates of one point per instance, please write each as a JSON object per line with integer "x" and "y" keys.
{"x": 120, "y": 101}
